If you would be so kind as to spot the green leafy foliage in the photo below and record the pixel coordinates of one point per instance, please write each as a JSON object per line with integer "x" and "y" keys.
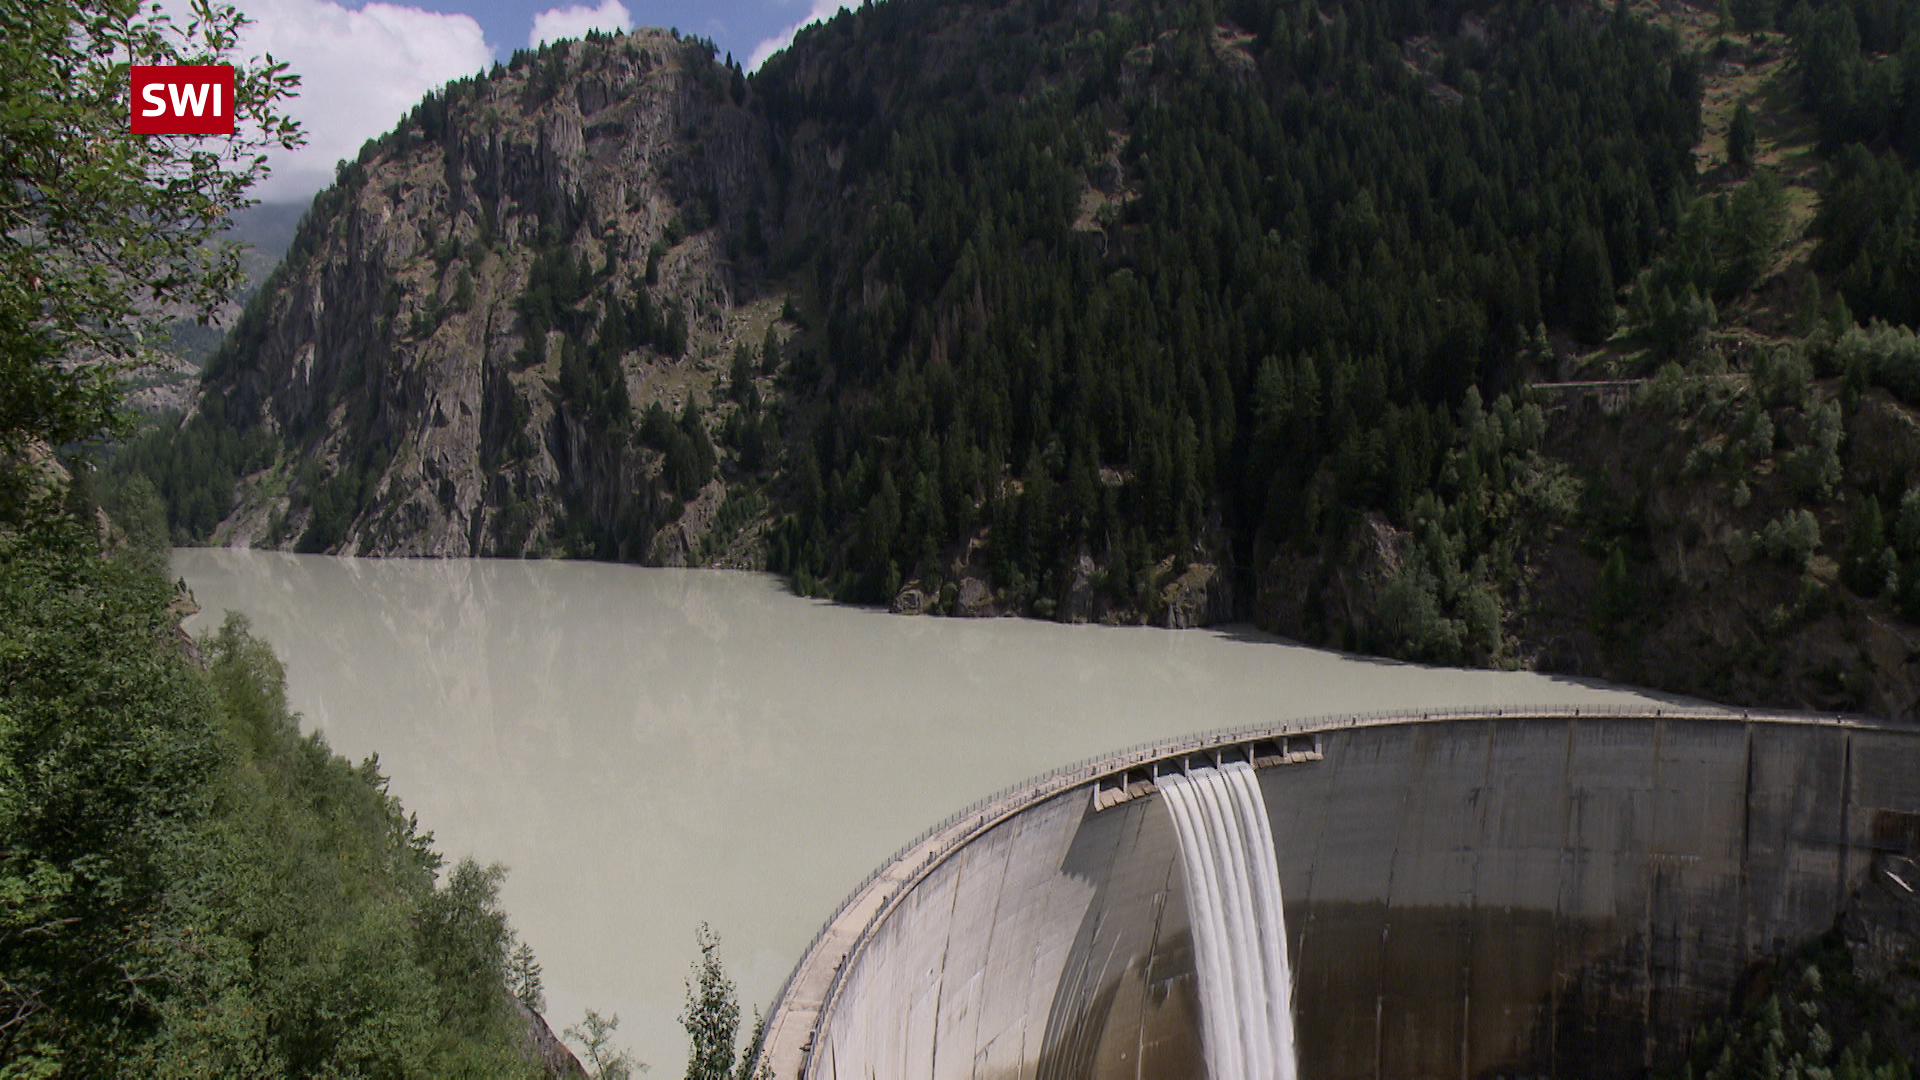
{"x": 334, "y": 502}
{"x": 604, "y": 1061}
{"x": 1814, "y": 468}
{"x": 110, "y": 749}
{"x": 1791, "y": 538}
{"x": 1615, "y": 597}
{"x": 1722, "y": 247}
{"x": 193, "y": 886}
{"x": 1881, "y": 355}
{"x": 1782, "y": 378}
{"x": 1867, "y": 563}
{"x": 100, "y": 229}
{"x": 195, "y": 464}
{"x": 712, "y": 1016}
{"x": 523, "y": 978}
{"x": 188, "y": 885}
{"x": 1811, "y": 1014}
{"x": 1906, "y": 548}
{"x": 689, "y": 452}
{"x": 1740, "y": 137}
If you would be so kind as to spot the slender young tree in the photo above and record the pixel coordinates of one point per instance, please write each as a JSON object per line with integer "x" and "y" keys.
{"x": 523, "y": 978}
{"x": 1740, "y": 138}
{"x": 605, "y": 1061}
{"x": 712, "y": 1018}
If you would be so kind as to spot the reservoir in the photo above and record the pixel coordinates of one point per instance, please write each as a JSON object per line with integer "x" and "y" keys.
{"x": 648, "y": 749}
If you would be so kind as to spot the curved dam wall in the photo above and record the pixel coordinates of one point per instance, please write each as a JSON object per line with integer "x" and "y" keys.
{"x": 1546, "y": 894}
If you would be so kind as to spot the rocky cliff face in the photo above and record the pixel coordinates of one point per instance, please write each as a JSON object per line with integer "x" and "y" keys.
{"x": 616, "y": 301}
{"x": 419, "y": 349}
{"x": 435, "y": 360}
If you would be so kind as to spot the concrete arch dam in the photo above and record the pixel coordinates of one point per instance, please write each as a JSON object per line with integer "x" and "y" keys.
{"x": 1549, "y": 892}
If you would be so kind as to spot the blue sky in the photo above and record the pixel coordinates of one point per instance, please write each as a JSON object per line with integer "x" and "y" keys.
{"x": 737, "y": 26}
{"x": 364, "y": 64}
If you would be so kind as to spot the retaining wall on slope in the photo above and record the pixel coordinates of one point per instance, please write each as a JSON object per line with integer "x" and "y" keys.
{"x": 1558, "y": 892}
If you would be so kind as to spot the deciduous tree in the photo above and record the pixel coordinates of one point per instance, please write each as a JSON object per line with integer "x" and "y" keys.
{"x": 105, "y": 235}
{"x": 712, "y": 1018}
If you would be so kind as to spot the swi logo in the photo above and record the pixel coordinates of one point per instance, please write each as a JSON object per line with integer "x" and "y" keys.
{"x": 181, "y": 100}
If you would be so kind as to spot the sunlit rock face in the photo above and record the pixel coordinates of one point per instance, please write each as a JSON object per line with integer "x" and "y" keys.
{"x": 1499, "y": 896}
{"x": 395, "y": 354}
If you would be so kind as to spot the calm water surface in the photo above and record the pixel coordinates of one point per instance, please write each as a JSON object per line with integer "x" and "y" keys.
{"x": 647, "y": 749}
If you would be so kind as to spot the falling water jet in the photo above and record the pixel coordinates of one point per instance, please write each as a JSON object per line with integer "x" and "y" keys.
{"x": 1239, "y": 928}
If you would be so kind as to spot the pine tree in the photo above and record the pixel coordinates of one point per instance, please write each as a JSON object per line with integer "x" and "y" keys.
{"x": 1866, "y": 561}
{"x": 1740, "y": 138}
{"x": 523, "y": 978}
{"x": 740, "y": 377}
{"x": 1811, "y": 304}
{"x": 1614, "y": 599}
{"x": 1589, "y": 290}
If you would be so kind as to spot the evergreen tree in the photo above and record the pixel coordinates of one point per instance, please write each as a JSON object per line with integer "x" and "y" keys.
{"x": 523, "y": 978}
{"x": 1589, "y": 287}
{"x": 1740, "y": 137}
{"x": 1614, "y": 598}
{"x": 1866, "y": 561}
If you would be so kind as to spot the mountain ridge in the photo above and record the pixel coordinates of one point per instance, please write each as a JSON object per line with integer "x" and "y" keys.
{"x": 1124, "y": 312}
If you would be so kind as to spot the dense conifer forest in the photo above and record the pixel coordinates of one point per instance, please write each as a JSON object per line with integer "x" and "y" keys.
{"x": 1571, "y": 335}
{"x": 1170, "y": 312}
{"x": 1315, "y": 252}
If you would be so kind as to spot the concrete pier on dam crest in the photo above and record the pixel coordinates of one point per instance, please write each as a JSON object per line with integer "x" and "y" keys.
{"x": 1550, "y": 892}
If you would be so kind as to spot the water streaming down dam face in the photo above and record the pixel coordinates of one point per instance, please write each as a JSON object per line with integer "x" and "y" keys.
{"x": 1554, "y": 893}
{"x": 1239, "y": 930}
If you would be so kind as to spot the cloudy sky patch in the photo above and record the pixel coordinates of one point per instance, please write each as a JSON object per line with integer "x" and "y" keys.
{"x": 363, "y": 65}
{"x": 360, "y": 72}
{"x": 821, "y": 10}
{"x": 572, "y": 22}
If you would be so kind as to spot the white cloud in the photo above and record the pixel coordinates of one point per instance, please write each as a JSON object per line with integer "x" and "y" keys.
{"x": 360, "y": 71}
{"x": 821, "y": 11}
{"x": 572, "y": 22}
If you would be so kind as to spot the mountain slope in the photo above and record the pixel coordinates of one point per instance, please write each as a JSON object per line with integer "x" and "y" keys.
{"x": 403, "y": 354}
{"x": 1169, "y": 312}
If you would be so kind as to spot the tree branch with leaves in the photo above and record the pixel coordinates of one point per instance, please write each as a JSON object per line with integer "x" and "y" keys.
{"x": 106, "y": 235}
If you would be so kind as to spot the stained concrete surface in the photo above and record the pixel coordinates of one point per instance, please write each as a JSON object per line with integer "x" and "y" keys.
{"x": 1558, "y": 895}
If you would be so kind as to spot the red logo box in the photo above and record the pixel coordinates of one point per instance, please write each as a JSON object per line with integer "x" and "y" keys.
{"x": 182, "y": 100}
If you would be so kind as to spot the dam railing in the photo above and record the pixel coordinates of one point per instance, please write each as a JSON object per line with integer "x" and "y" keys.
{"x": 779, "y": 1054}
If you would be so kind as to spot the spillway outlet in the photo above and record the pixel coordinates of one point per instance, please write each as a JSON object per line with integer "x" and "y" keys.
{"x": 1126, "y": 785}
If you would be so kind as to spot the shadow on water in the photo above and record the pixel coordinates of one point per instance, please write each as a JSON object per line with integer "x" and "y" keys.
{"x": 1242, "y": 633}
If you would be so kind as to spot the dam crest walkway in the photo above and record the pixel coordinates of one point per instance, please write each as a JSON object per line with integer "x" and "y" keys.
{"x": 800, "y": 1010}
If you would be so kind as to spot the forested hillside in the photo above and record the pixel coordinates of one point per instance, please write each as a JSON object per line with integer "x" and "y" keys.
{"x": 1560, "y": 335}
{"x": 1308, "y": 250}
{"x": 192, "y": 886}
{"x": 189, "y": 887}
